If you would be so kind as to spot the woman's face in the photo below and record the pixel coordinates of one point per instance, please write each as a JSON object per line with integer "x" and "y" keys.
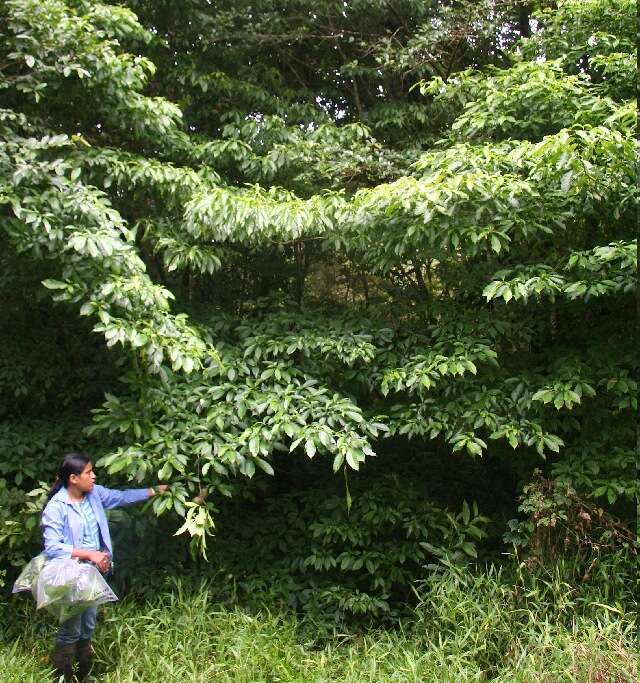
{"x": 86, "y": 480}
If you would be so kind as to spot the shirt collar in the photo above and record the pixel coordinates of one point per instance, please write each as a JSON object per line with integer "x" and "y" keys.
{"x": 63, "y": 495}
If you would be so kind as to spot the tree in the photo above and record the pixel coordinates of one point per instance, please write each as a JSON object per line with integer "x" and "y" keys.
{"x": 413, "y": 219}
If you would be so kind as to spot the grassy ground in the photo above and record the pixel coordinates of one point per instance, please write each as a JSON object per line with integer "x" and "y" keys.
{"x": 466, "y": 628}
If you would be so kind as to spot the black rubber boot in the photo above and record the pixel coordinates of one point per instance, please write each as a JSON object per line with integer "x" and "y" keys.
{"x": 63, "y": 661}
{"x": 84, "y": 653}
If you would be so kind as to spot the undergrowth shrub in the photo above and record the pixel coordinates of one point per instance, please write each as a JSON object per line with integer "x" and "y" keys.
{"x": 346, "y": 559}
{"x": 503, "y": 625}
{"x": 560, "y": 528}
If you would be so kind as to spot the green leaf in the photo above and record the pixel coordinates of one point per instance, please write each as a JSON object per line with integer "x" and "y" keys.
{"x": 254, "y": 445}
{"x": 469, "y": 549}
{"x": 310, "y": 447}
{"x": 264, "y": 466}
{"x": 54, "y": 284}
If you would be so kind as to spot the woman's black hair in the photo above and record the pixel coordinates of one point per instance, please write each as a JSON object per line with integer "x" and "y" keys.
{"x": 72, "y": 463}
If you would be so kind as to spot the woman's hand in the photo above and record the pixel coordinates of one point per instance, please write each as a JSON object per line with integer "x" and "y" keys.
{"x": 155, "y": 490}
{"x": 100, "y": 559}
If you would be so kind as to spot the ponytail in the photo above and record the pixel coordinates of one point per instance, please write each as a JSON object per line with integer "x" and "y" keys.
{"x": 57, "y": 485}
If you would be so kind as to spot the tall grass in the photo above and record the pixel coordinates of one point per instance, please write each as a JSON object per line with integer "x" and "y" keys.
{"x": 467, "y": 627}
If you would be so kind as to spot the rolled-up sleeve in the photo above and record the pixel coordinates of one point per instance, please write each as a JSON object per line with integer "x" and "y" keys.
{"x": 53, "y": 532}
{"x": 112, "y": 498}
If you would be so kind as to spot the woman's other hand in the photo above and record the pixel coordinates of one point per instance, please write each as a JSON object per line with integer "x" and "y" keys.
{"x": 100, "y": 559}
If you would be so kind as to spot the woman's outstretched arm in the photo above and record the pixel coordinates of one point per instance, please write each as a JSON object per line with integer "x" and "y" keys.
{"x": 113, "y": 498}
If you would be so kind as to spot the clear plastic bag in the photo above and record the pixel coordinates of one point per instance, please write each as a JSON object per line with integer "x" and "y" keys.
{"x": 29, "y": 575}
{"x": 64, "y": 587}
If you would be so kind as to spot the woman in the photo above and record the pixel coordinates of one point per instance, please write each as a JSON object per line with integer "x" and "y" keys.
{"x": 74, "y": 524}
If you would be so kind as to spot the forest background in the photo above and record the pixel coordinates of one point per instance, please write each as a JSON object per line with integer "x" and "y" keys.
{"x": 358, "y": 281}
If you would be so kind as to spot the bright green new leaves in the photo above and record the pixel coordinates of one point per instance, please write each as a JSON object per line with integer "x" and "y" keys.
{"x": 173, "y": 185}
{"x": 585, "y": 275}
{"x": 254, "y": 215}
{"x": 234, "y": 427}
{"x": 268, "y": 150}
{"x": 617, "y": 71}
{"x": 423, "y": 371}
{"x": 468, "y": 409}
{"x": 57, "y": 217}
{"x": 527, "y": 101}
{"x": 198, "y": 524}
{"x": 469, "y": 199}
{"x": 564, "y": 394}
{"x": 54, "y": 214}
{"x": 53, "y": 45}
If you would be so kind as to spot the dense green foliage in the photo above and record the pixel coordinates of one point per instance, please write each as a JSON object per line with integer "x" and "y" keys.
{"x": 236, "y": 236}
{"x": 467, "y": 627}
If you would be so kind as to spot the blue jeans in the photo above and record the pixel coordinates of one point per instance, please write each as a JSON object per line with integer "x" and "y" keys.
{"x": 79, "y": 627}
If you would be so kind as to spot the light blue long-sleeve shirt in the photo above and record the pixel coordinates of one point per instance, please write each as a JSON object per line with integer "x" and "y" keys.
{"x": 62, "y": 525}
